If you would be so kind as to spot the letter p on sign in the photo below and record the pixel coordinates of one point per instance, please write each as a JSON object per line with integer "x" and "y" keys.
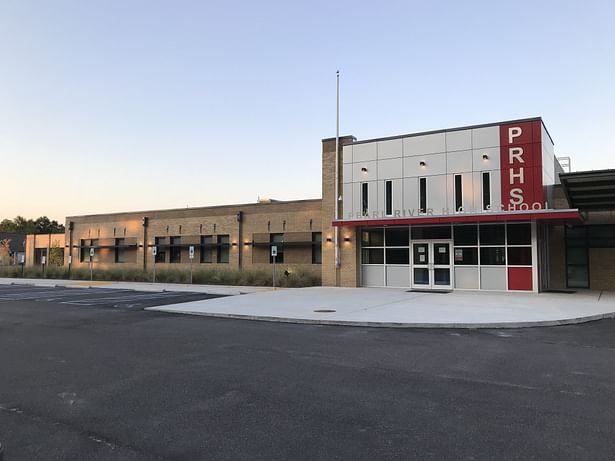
{"x": 514, "y": 132}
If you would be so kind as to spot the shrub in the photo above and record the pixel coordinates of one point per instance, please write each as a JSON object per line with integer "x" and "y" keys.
{"x": 212, "y": 276}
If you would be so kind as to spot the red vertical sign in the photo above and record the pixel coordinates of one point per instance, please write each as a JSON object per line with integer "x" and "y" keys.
{"x": 521, "y": 166}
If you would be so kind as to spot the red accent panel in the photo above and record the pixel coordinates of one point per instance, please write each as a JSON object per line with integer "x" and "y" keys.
{"x": 486, "y": 217}
{"x": 520, "y": 278}
{"x": 521, "y": 165}
{"x": 537, "y": 131}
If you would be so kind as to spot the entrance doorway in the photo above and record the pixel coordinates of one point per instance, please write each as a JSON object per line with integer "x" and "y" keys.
{"x": 431, "y": 265}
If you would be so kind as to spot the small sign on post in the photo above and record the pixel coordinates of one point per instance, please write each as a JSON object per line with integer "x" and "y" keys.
{"x": 191, "y": 256}
{"x": 274, "y": 254}
{"x": 43, "y": 260}
{"x": 154, "y": 253}
{"x": 91, "y": 268}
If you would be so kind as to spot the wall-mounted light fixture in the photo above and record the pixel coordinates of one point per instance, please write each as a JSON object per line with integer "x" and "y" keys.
{"x": 329, "y": 239}
{"x": 346, "y": 239}
{"x": 422, "y": 164}
{"x": 246, "y": 244}
{"x": 363, "y": 170}
{"x": 234, "y": 244}
{"x": 485, "y": 157}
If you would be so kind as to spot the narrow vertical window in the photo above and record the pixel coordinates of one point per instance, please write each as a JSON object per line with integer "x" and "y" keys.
{"x": 486, "y": 191}
{"x": 388, "y": 197}
{"x": 458, "y": 193}
{"x": 364, "y": 199}
{"x": 423, "y": 195}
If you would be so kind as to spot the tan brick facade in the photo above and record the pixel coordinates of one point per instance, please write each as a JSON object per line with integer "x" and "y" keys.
{"x": 38, "y": 245}
{"x": 347, "y": 274}
{"x": 247, "y": 227}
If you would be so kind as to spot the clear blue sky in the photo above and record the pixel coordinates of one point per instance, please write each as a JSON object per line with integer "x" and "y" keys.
{"x": 125, "y": 105}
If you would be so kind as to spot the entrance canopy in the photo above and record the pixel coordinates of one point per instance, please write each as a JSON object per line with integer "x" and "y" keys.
{"x": 590, "y": 190}
{"x": 565, "y": 215}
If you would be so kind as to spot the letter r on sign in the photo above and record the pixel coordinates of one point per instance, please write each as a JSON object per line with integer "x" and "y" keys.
{"x": 514, "y": 132}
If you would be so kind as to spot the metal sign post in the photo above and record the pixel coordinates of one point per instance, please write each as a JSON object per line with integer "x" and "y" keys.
{"x": 191, "y": 256}
{"x": 154, "y": 253}
{"x": 91, "y": 263}
{"x": 70, "y": 262}
{"x": 274, "y": 254}
{"x": 22, "y": 260}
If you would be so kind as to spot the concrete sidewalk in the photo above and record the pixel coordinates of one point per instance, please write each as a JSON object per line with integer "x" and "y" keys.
{"x": 139, "y": 286}
{"x": 381, "y": 307}
{"x": 385, "y": 307}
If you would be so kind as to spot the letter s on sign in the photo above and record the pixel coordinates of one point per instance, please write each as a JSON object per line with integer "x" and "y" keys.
{"x": 516, "y": 196}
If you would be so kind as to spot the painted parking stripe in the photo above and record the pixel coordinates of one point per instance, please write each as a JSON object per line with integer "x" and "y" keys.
{"x": 116, "y": 299}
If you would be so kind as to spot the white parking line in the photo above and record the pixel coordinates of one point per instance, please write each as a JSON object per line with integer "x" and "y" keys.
{"x": 117, "y": 299}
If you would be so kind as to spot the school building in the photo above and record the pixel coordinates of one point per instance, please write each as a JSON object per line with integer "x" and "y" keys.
{"x": 485, "y": 207}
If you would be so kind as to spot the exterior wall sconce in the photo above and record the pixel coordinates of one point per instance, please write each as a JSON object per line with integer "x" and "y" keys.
{"x": 234, "y": 244}
{"x": 246, "y": 244}
{"x": 329, "y": 239}
{"x": 422, "y": 164}
{"x": 346, "y": 239}
{"x": 485, "y": 157}
{"x": 363, "y": 170}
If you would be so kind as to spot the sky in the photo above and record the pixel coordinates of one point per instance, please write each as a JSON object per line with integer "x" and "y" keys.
{"x": 123, "y": 105}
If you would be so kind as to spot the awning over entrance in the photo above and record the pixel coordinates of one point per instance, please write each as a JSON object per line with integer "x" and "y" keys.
{"x": 566, "y": 215}
{"x": 590, "y": 190}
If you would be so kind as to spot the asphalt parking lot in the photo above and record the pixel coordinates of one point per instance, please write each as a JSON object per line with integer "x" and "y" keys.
{"x": 102, "y": 383}
{"x": 92, "y": 296}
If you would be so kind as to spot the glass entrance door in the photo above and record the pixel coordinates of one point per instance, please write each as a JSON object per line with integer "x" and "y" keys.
{"x": 431, "y": 265}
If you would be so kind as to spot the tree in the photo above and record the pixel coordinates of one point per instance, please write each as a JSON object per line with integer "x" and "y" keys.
{"x": 41, "y": 225}
{"x": 6, "y": 225}
{"x": 5, "y": 252}
{"x": 56, "y": 254}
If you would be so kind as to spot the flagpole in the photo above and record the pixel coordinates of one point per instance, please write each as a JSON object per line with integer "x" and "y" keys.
{"x": 337, "y": 169}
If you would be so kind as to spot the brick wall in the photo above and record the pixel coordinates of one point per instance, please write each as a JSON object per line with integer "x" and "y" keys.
{"x": 297, "y": 220}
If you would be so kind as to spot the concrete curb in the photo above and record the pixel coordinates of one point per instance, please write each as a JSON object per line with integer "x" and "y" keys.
{"x": 352, "y": 323}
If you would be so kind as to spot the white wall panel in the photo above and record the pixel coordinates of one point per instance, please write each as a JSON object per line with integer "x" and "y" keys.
{"x": 493, "y": 278}
{"x": 364, "y": 152}
{"x": 458, "y": 140}
{"x": 426, "y": 144}
{"x": 435, "y": 164}
{"x": 381, "y": 205}
{"x": 390, "y": 168}
{"x": 390, "y": 148}
{"x": 459, "y": 162}
{"x": 411, "y": 194}
{"x": 467, "y": 192}
{"x": 397, "y": 197}
{"x": 486, "y": 137}
{"x": 492, "y": 162}
{"x": 398, "y": 276}
{"x": 496, "y": 189}
{"x": 356, "y": 198}
{"x": 477, "y": 193}
{"x": 347, "y": 173}
{"x": 466, "y": 277}
{"x": 372, "y": 276}
{"x": 398, "y": 194}
{"x": 436, "y": 193}
{"x": 370, "y": 175}
{"x": 346, "y": 154}
{"x": 347, "y": 205}
{"x": 372, "y": 202}
{"x": 468, "y": 185}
